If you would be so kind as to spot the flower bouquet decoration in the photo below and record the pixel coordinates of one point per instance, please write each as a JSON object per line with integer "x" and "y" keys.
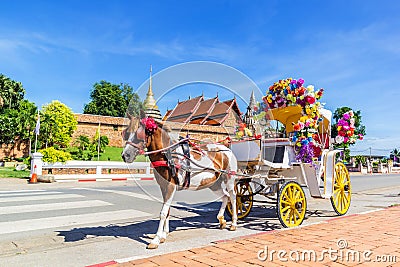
{"x": 346, "y": 130}
{"x": 292, "y": 92}
{"x": 242, "y": 132}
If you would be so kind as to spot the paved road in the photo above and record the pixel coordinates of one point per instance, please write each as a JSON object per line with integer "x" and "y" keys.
{"x": 44, "y": 224}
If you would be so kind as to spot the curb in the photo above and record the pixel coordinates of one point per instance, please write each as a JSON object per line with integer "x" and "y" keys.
{"x": 109, "y": 180}
{"x": 103, "y": 264}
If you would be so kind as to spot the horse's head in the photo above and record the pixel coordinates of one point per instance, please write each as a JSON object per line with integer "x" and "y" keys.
{"x": 137, "y": 141}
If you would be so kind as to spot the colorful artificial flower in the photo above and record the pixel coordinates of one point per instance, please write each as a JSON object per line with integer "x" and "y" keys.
{"x": 242, "y": 131}
{"x": 346, "y": 129}
{"x": 290, "y": 92}
{"x": 149, "y": 124}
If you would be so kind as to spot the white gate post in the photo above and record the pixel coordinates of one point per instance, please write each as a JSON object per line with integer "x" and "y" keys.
{"x": 36, "y": 160}
{"x": 98, "y": 170}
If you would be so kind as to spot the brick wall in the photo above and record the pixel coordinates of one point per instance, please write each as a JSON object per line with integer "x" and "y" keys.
{"x": 110, "y": 126}
{"x": 17, "y": 150}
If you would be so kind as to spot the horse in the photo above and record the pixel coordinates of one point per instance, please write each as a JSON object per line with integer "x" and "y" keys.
{"x": 213, "y": 167}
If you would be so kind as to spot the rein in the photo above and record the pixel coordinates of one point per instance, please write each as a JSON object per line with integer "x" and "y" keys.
{"x": 166, "y": 148}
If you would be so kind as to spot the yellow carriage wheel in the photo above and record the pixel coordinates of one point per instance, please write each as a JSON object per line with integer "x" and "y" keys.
{"x": 341, "y": 196}
{"x": 292, "y": 205}
{"x": 244, "y": 200}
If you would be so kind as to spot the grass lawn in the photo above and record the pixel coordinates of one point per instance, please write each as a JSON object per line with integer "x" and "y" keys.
{"x": 10, "y": 172}
{"x": 114, "y": 154}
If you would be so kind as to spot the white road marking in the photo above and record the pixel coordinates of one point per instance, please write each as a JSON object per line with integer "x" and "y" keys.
{"x": 124, "y": 193}
{"x": 70, "y": 220}
{"x": 53, "y": 206}
{"x": 28, "y": 194}
{"x": 31, "y": 198}
{"x": 20, "y": 191}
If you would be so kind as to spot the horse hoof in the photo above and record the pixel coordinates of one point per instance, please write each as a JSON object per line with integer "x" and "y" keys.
{"x": 222, "y": 226}
{"x": 152, "y": 246}
{"x": 232, "y": 228}
{"x": 162, "y": 240}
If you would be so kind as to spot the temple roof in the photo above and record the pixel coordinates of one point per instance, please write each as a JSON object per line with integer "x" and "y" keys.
{"x": 200, "y": 111}
{"x": 185, "y": 109}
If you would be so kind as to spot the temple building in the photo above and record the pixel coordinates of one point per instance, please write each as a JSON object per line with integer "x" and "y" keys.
{"x": 201, "y": 111}
{"x": 151, "y": 108}
{"x": 248, "y": 118}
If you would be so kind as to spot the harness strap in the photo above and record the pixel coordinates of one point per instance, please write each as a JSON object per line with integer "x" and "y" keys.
{"x": 163, "y": 163}
{"x": 186, "y": 153}
{"x": 160, "y": 163}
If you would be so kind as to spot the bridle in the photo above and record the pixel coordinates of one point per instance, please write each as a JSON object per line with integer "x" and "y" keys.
{"x": 138, "y": 142}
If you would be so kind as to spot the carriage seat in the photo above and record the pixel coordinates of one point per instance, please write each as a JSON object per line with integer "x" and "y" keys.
{"x": 278, "y": 153}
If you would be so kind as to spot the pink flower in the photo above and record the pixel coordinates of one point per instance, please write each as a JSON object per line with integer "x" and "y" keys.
{"x": 342, "y": 122}
{"x": 149, "y": 124}
{"x": 346, "y": 116}
{"x": 310, "y": 99}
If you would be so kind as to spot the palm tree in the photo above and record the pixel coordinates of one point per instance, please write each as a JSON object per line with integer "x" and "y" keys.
{"x": 83, "y": 142}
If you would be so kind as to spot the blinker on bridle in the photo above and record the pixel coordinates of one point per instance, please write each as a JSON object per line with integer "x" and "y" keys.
{"x": 150, "y": 126}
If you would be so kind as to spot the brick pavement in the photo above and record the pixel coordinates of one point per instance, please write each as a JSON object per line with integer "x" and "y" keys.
{"x": 342, "y": 241}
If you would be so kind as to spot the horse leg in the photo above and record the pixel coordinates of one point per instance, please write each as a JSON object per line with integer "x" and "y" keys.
{"x": 230, "y": 185}
{"x": 220, "y": 216}
{"x": 166, "y": 228}
{"x": 168, "y": 195}
{"x": 234, "y": 211}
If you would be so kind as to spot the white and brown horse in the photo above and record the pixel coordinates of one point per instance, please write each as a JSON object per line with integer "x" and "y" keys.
{"x": 213, "y": 167}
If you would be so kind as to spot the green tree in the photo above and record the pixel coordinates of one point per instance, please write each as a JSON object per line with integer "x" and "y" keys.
{"x": 104, "y": 141}
{"x": 52, "y": 155}
{"x": 8, "y": 124}
{"x": 58, "y": 123}
{"x": 11, "y": 92}
{"x": 82, "y": 142}
{"x": 18, "y": 124}
{"x": 27, "y": 116}
{"x": 360, "y": 159}
{"x": 109, "y": 99}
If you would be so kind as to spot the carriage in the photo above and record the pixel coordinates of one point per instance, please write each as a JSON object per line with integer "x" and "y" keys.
{"x": 278, "y": 165}
{"x": 267, "y": 166}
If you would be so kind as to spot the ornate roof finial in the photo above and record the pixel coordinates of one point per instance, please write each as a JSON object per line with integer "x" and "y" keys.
{"x": 150, "y": 102}
{"x": 252, "y": 102}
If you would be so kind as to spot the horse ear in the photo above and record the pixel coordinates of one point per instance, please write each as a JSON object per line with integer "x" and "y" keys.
{"x": 142, "y": 114}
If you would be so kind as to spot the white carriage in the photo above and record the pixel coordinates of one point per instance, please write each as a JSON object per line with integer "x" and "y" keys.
{"x": 267, "y": 166}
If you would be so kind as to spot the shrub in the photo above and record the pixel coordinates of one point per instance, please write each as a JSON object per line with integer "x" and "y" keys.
{"x": 52, "y": 155}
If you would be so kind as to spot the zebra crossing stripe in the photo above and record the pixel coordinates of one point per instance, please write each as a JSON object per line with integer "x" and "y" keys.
{"x": 40, "y": 197}
{"x": 28, "y": 194}
{"x": 124, "y": 193}
{"x": 102, "y": 218}
{"x": 21, "y": 191}
{"x": 53, "y": 206}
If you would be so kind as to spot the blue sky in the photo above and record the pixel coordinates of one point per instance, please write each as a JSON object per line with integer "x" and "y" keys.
{"x": 59, "y": 49}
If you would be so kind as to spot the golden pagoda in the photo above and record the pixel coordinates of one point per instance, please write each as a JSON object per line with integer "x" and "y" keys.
{"x": 150, "y": 103}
